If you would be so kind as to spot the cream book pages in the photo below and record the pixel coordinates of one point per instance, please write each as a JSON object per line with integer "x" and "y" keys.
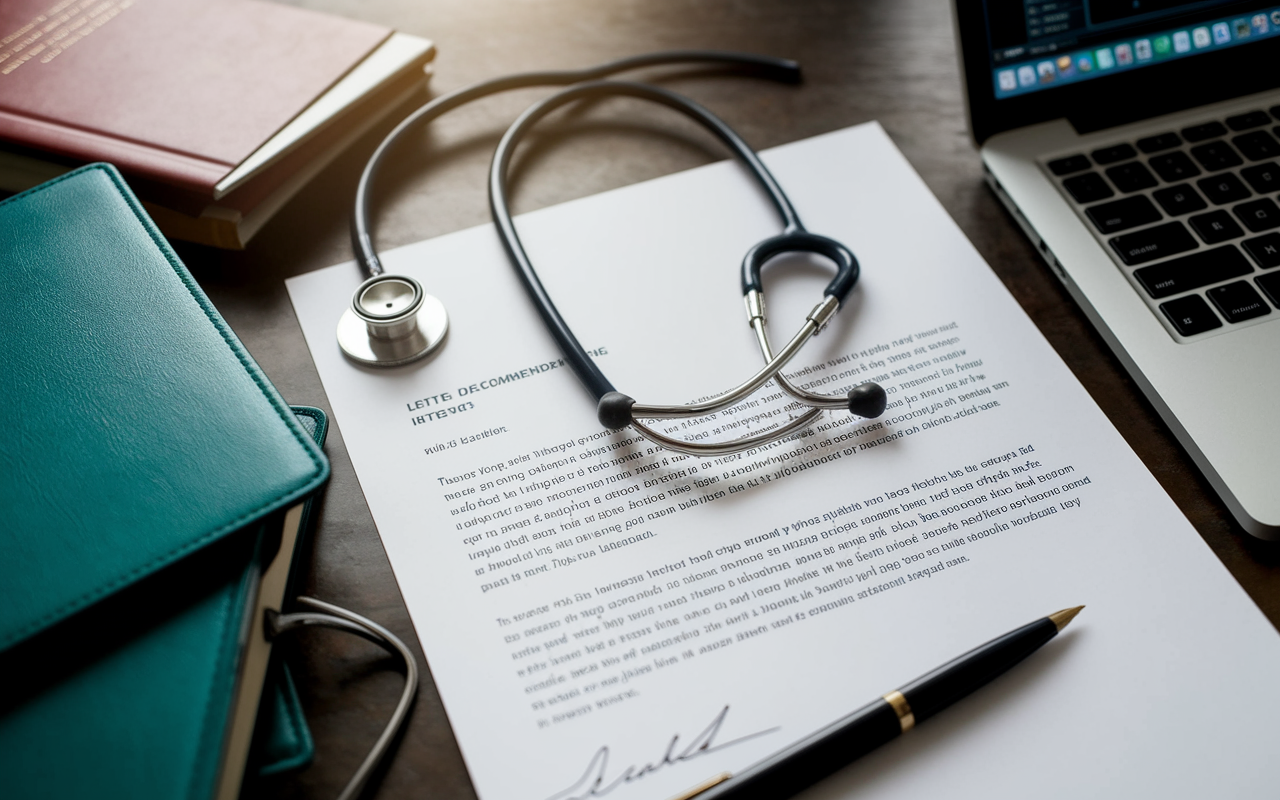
{"x": 606, "y": 619}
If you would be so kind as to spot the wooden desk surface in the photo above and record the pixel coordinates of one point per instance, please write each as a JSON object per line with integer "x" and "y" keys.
{"x": 887, "y": 60}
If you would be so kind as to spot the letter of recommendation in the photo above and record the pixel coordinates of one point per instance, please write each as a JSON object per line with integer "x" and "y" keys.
{"x": 605, "y": 618}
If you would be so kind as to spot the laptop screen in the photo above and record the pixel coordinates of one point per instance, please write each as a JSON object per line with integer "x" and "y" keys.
{"x": 1037, "y": 46}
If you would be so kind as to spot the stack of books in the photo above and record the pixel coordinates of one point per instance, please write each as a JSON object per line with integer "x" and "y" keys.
{"x": 154, "y": 494}
{"x": 216, "y": 113}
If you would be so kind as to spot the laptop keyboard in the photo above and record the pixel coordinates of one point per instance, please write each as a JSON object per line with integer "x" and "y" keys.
{"x": 1190, "y": 216}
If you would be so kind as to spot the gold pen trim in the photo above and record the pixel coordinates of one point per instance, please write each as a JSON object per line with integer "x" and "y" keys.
{"x": 906, "y": 717}
{"x": 702, "y": 787}
{"x": 1061, "y": 618}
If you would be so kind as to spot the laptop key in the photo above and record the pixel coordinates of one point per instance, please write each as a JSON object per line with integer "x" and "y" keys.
{"x": 1114, "y": 153}
{"x": 1216, "y": 155}
{"x": 1180, "y": 199}
{"x": 1193, "y": 271}
{"x": 1119, "y": 215}
{"x": 1088, "y": 187}
{"x": 1216, "y": 226}
{"x": 1258, "y": 215}
{"x": 1264, "y": 249}
{"x": 1174, "y": 167}
{"x": 1131, "y": 177}
{"x": 1146, "y": 245}
{"x": 1257, "y": 145}
{"x": 1068, "y": 165}
{"x": 1224, "y": 188}
{"x": 1238, "y": 301}
{"x": 1263, "y": 178}
{"x": 1253, "y": 119}
{"x": 1154, "y": 144}
{"x": 1198, "y": 133}
{"x": 1270, "y": 283}
{"x": 1191, "y": 315}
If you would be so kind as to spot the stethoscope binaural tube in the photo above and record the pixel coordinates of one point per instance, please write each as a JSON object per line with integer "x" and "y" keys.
{"x": 616, "y": 410}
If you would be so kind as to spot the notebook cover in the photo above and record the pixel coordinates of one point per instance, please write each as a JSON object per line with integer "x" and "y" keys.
{"x": 146, "y": 466}
{"x": 281, "y": 739}
{"x": 130, "y": 698}
{"x": 180, "y": 91}
{"x": 134, "y": 691}
{"x": 137, "y": 429}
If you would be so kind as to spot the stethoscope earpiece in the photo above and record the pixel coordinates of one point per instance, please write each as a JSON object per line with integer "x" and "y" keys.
{"x": 391, "y": 321}
{"x": 868, "y": 400}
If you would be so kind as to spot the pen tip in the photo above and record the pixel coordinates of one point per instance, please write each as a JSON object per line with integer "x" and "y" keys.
{"x": 1061, "y": 618}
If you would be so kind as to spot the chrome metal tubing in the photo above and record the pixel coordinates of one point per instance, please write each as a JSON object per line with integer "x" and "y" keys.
{"x": 754, "y": 301}
{"x": 732, "y": 446}
{"x": 806, "y": 397}
{"x": 733, "y": 396}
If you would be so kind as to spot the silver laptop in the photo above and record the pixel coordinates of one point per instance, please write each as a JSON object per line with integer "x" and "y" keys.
{"x": 1137, "y": 143}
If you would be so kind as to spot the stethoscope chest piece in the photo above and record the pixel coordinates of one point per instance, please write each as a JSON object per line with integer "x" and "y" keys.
{"x": 391, "y": 321}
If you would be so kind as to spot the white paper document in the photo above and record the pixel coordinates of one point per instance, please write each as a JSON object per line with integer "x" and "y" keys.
{"x": 607, "y": 619}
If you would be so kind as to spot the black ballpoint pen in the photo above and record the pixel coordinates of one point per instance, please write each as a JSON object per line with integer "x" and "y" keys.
{"x": 815, "y": 757}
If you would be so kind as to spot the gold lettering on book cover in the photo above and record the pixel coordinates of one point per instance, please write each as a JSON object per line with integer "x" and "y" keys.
{"x": 50, "y": 34}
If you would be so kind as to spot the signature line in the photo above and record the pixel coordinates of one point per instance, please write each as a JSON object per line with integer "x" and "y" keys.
{"x": 596, "y": 783}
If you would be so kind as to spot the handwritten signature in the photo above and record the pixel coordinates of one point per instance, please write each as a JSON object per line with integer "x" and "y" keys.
{"x": 595, "y": 782}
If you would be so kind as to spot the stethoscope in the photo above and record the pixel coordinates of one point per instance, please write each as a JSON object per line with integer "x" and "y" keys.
{"x": 392, "y": 321}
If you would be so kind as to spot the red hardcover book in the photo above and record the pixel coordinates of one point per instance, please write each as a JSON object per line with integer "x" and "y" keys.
{"x": 178, "y": 91}
{"x": 186, "y": 96}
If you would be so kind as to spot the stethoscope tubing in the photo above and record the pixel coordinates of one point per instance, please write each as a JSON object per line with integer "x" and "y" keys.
{"x": 575, "y": 354}
{"x": 616, "y": 410}
{"x": 780, "y": 69}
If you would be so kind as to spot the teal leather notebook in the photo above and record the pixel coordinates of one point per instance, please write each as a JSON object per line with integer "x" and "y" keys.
{"x": 151, "y": 478}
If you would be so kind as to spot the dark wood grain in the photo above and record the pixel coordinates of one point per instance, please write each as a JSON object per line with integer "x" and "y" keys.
{"x": 887, "y": 60}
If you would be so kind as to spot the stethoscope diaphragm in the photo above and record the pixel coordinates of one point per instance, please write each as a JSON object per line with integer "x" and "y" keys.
{"x": 391, "y": 321}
